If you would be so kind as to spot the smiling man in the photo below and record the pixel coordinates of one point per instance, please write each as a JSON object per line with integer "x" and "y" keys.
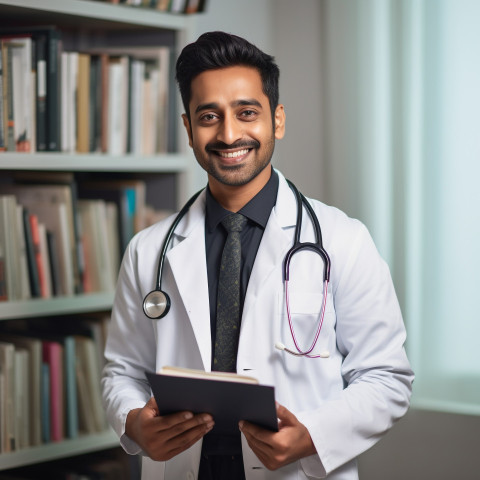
{"x": 348, "y": 379}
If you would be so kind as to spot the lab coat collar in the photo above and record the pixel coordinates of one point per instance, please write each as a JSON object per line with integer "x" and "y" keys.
{"x": 187, "y": 260}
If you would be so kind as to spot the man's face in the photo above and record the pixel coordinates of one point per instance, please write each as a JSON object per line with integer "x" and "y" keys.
{"x": 230, "y": 128}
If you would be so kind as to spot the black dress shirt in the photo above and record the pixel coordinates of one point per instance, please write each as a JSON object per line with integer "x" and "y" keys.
{"x": 257, "y": 211}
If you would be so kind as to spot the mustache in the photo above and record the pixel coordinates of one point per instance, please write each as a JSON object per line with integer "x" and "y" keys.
{"x": 224, "y": 146}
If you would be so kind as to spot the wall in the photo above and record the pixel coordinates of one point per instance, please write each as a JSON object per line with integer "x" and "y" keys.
{"x": 425, "y": 444}
{"x": 269, "y": 24}
{"x": 251, "y": 19}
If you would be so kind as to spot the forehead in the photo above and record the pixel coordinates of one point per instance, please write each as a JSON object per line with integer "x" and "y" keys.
{"x": 226, "y": 85}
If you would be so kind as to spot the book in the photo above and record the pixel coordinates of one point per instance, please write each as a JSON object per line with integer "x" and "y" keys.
{"x": 34, "y": 412}
{"x": 9, "y": 243}
{"x": 157, "y": 78}
{"x": 54, "y": 206}
{"x": 228, "y": 397}
{"x": 101, "y": 269}
{"x": 21, "y": 397}
{"x": 96, "y": 102}
{"x": 23, "y": 257}
{"x": 48, "y": 52}
{"x": 9, "y": 120}
{"x": 2, "y": 103}
{"x": 63, "y": 179}
{"x": 117, "y": 105}
{"x": 42, "y": 279}
{"x": 7, "y": 422}
{"x": 33, "y": 272}
{"x": 92, "y": 415}
{"x": 83, "y": 104}
{"x": 41, "y": 93}
{"x": 46, "y": 287}
{"x": 45, "y": 402}
{"x": 71, "y": 107}
{"x": 53, "y": 356}
{"x": 21, "y": 51}
{"x": 130, "y": 198}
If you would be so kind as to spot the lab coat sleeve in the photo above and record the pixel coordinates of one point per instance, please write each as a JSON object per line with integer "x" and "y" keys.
{"x": 130, "y": 351}
{"x": 377, "y": 375}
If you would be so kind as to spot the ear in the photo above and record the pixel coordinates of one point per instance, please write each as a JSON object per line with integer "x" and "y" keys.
{"x": 279, "y": 119}
{"x": 186, "y": 124}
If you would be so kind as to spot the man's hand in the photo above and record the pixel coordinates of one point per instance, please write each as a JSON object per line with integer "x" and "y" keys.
{"x": 161, "y": 438}
{"x": 276, "y": 449}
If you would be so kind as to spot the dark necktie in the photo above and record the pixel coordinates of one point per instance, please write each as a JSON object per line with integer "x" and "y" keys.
{"x": 228, "y": 297}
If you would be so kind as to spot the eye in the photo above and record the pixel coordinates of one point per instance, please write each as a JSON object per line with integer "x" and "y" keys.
{"x": 248, "y": 114}
{"x": 208, "y": 117}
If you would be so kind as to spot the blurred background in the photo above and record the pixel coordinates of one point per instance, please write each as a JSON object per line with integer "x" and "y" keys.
{"x": 382, "y": 100}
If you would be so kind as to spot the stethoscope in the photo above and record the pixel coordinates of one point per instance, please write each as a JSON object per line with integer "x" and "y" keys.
{"x": 156, "y": 303}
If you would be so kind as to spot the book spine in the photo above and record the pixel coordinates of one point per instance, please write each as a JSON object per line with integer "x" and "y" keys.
{"x": 83, "y": 104}
{"x": 2, "y": 105}
{"x": 10, "y": 119}
{"x": 45, "y": 396}
{"x": 54, "y": 263}
{"x": 53, "y": 91}
{"x": 38, "y": 255}
{"x": 31, "y": 255}
{"x": 52, "y": 354}
{"x": 71, "y": 387}
{"x": 41, "y": 92}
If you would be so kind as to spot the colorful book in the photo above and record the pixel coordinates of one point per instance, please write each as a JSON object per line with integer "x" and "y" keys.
{"x": 53, "y": 356}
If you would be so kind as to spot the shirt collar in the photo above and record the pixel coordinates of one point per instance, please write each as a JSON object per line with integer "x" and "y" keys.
{"x": 258, "y": 209}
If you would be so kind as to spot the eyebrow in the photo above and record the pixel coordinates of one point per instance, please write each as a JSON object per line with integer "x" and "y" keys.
{"x": 237, "y": 103}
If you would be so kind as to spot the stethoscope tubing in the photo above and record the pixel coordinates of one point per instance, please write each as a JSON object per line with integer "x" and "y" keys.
{"x": 156, "y": 303}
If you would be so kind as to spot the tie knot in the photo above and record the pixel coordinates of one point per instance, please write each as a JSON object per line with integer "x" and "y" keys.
{"x": 234, "y": 222}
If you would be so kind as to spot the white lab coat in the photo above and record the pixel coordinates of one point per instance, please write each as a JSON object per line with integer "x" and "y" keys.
{"x": 346, "y": 401}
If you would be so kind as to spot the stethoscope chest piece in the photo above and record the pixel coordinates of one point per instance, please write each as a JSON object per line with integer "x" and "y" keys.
{"x": 156, "y": 304}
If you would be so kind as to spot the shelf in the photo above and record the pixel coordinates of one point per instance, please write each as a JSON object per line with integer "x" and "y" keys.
{"x": 56, "y": 306}
{"x": 71, "y": 13}
{"x": 54, "y": 451}
{"x": 169, "y": 163}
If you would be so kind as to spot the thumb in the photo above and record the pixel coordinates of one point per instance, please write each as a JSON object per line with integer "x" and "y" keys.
{"x": 152, "y": 407}
{"x": 285, "y": 416}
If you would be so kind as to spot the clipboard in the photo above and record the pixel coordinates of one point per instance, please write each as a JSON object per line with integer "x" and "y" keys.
{"x": 229, "y": 398}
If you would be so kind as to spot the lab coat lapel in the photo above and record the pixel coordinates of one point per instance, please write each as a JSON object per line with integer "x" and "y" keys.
{"x": 187, "y": 261}
{"x": 276, "y": 241}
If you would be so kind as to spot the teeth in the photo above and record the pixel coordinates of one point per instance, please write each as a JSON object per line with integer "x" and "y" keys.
{"x": 238, "y": 153}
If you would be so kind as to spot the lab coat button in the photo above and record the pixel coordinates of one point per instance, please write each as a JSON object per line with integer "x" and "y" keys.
{"x": 190, "y": 476}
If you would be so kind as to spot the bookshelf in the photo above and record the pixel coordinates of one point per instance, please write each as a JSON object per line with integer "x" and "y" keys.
{"x": 87, "y": 25}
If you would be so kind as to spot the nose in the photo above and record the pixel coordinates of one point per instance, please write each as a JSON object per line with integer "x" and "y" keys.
{"x": 230, "y": 130}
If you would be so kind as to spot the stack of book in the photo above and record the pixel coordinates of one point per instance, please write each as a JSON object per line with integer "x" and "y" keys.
{"x": 171, "y": 6}
{"x": 109, "y": 101}
{"x": 58, "y": 238}
{"x": 50, "y": 382}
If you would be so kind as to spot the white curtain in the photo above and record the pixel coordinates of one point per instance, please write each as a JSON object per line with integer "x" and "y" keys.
{"x": 401, "y": 96}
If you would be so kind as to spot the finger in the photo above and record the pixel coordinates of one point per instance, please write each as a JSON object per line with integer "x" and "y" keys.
{"x": 259, "y": 439}
{"x": 166, "y": 447}
{"x": 185, "y": 441}
{"x": 184, "y": 420}
{"x": 151, "y": 406}
{"x": 285, "y": 416}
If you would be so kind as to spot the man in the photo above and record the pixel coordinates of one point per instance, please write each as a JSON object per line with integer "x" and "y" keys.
{"x": 330, "y": 408}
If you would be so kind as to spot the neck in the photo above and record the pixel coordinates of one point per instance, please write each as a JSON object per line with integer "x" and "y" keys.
{"x": 234, "y": 198}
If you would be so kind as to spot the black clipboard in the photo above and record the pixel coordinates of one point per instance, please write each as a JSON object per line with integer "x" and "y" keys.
{"x": 227, "y": 401}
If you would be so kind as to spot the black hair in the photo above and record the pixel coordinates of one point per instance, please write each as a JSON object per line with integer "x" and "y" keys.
{"x": 215, "y": 50}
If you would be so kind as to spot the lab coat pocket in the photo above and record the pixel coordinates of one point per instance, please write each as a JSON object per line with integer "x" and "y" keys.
{"x": 305, "y": 315}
